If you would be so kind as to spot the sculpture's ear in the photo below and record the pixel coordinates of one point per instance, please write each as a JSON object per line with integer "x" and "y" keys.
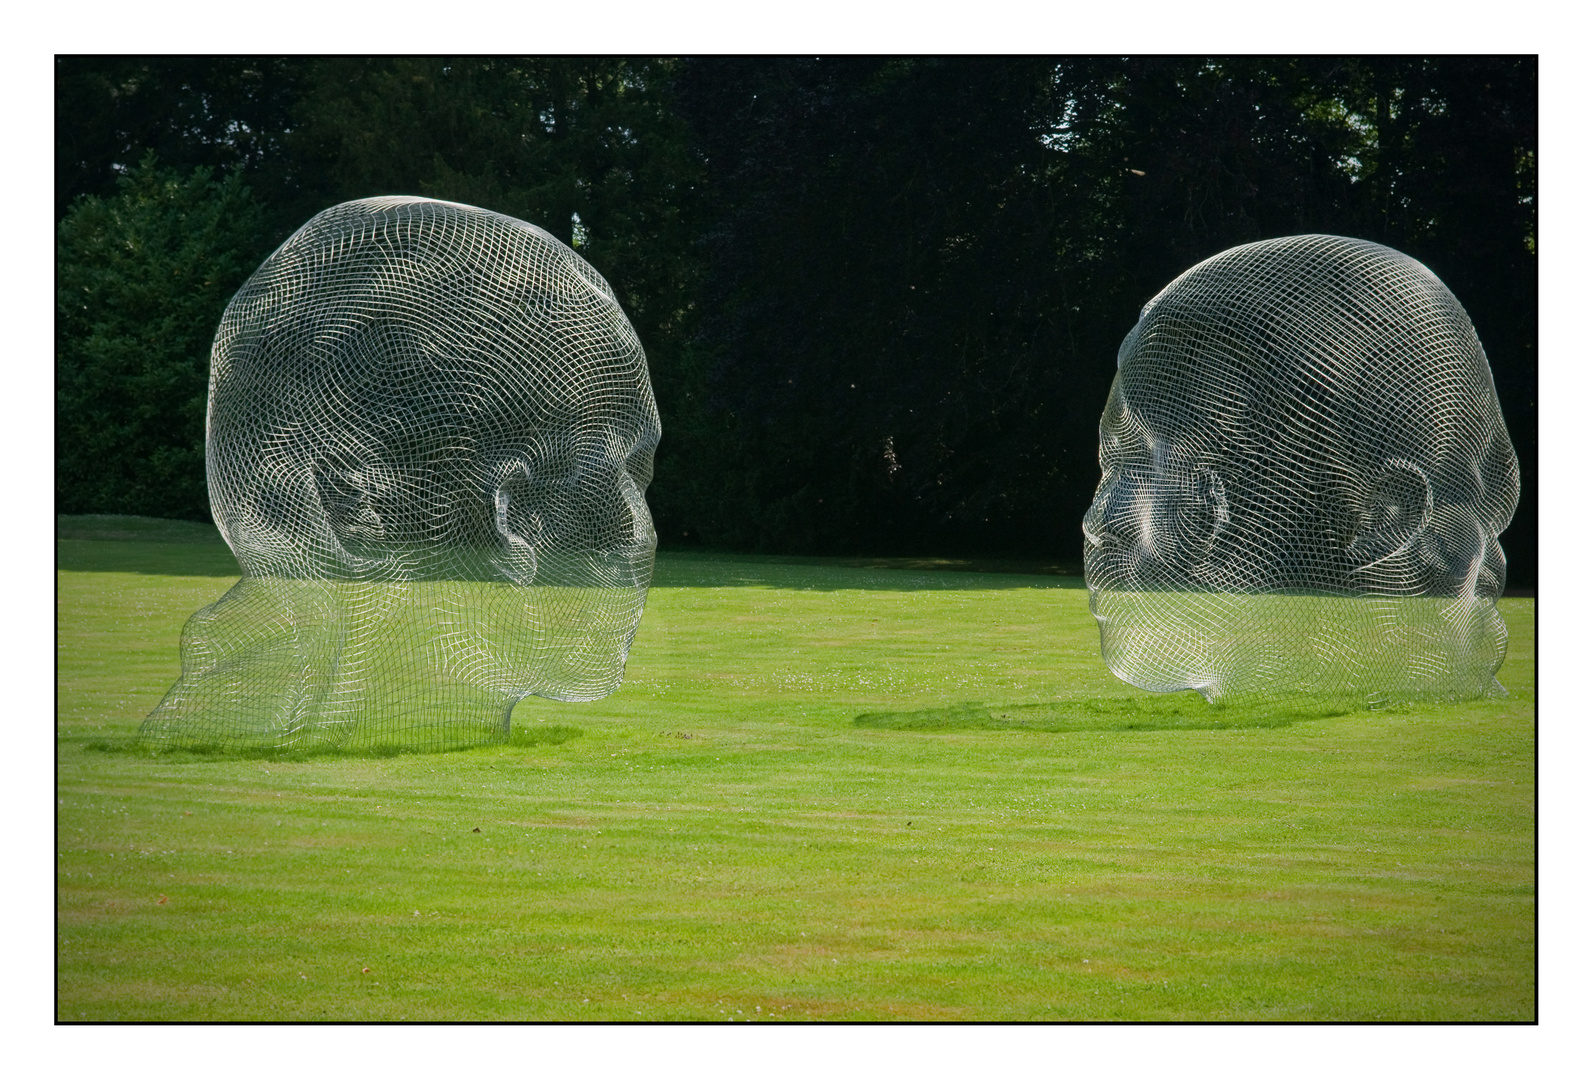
{"x": 1398, "y": 507}
{"x": 515, "y": 521}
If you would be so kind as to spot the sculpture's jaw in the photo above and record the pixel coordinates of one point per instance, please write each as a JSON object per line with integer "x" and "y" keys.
{"x": 282, "y": 663}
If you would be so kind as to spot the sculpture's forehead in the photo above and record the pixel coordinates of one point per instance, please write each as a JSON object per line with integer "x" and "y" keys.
{"x": 390, "y": 309}
{"x": 1326, "y": 310}
{"x": 1315, "y": 349}
{"x": 454, "y": 256}
{"x": 410, "y": 220}
{"x": 1307, "y": 285}
{"x": 425, "y": 273}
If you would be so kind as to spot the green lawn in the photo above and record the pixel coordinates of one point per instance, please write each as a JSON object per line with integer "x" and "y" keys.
{"x": 825, "y": 791}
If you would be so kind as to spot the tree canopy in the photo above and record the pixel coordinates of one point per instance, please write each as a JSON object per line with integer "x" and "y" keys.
{"x": 881, "y": 297}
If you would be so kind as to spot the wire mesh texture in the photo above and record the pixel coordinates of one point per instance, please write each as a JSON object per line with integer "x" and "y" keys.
{"x": 1304, "y": 475}
{"x": 429, "y": 435}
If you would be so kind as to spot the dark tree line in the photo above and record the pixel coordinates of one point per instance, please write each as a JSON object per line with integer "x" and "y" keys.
{"x": 881, "y": 297}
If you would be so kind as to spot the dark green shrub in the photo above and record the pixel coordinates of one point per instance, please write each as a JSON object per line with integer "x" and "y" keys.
{"x": 141, "y": 281}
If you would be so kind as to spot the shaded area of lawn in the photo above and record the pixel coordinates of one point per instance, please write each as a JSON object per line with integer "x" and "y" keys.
{"x": 1165, "y": 712}
{"x": 113, "y": 543}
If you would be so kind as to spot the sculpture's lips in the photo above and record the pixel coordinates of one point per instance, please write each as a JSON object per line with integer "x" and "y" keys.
{"x": 1100, "y": 539}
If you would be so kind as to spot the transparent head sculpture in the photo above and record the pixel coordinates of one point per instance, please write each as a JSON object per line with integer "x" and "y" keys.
{"x": 1304, "y": 475}
{"x": 430, "y": 429}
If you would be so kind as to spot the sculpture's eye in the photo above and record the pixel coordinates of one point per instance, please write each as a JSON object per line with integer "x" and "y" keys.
{"x": 348, "y": 502}
{"x": 1125, "y": 439}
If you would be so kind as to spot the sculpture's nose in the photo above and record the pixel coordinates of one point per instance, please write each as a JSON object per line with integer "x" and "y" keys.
{"x": 635, "y": 526}
{"x": 1096, "y": 534}
{"x": 1116, "y": 513}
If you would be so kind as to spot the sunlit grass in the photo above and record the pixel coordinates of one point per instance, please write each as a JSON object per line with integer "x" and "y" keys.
{"x": 823, "y": 792}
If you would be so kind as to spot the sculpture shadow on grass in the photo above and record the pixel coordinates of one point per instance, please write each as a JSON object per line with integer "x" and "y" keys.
{"x": 520, "y": 738}
{"x": 1183, "y": 712}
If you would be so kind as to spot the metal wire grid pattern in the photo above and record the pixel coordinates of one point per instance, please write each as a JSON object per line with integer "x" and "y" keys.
{"x": 1304, "y": 475}
{"x": 429, "y": 435}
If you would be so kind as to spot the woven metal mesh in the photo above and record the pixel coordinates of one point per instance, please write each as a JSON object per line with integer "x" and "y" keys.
{"x": 430, "y": 429}
{"x": 1305, "y": 473}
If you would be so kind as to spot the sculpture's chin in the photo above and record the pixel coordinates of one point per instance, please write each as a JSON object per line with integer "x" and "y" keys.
{"x": 294, "y": 662}
{"x": 1368, "y": 650}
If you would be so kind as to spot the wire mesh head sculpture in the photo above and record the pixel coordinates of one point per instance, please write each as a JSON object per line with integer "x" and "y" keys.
{"x": 430, "y": 429}
{"x": 1304, "y": 475}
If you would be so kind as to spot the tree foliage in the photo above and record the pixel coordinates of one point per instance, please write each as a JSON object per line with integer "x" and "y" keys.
{"x": 141, "y": 281}
{"x": 920, "y": 269}
{"x": 881, "y": 297}
{"x": 227, "y": 113}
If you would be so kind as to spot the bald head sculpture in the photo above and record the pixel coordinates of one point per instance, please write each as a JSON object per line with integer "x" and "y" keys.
{"x": 1305, "y": 473}
{"x": 430, "y": 429}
